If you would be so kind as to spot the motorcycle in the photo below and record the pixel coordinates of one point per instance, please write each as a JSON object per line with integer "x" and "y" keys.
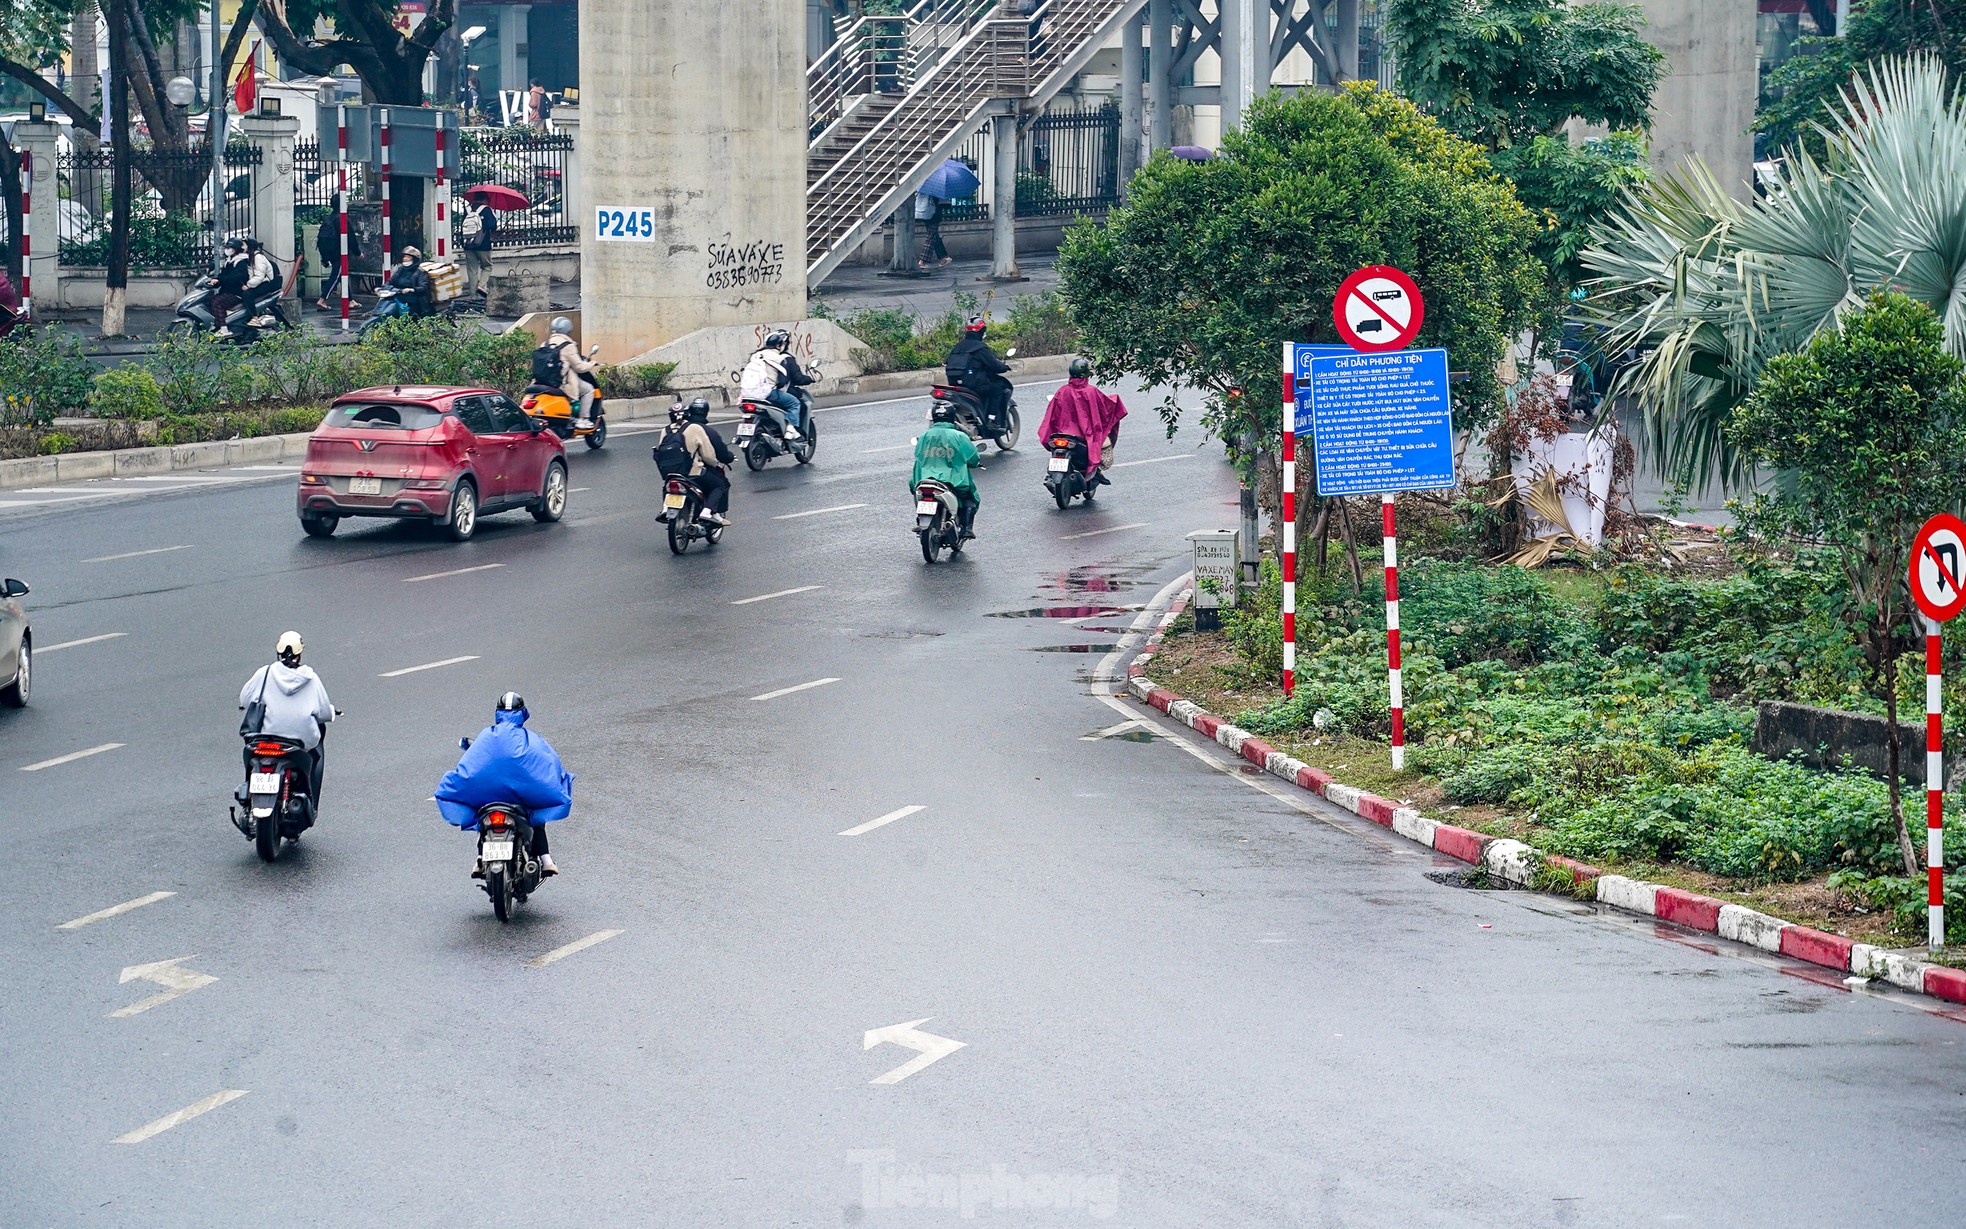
{"x": 543, "y": 401}
{"x": 682, "y": 510}
{"x": 505, "y": 853}
{"x": 276, "y": 801}
{"x": 248, "y": 322}
{"x": 389, "y": 304}
{"x": 761, "y": 436}
{"x": 970, "y": 418}
{"x": 1069, "y": 474}
{"x": 937, "y": 520}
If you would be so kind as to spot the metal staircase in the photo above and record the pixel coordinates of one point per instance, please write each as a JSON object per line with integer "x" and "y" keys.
{"x": 896, "y": 97}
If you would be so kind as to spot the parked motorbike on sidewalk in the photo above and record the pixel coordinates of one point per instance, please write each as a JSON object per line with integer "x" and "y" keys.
{"x": 1001, "y": 429}
{"x": 505, "y": 855}
{"x": 761, "y": 436}
{"x": 1069, "y": 474}
{"x": 276, "y": 801}
{"x": 937, "y": 520}
{"x": 682, "y": 511}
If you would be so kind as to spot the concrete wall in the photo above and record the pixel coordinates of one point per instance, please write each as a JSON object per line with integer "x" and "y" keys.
{"x": 1704, "y": 106}
{"x": 695, "y": 109}
{"x": 1831, "y": 738}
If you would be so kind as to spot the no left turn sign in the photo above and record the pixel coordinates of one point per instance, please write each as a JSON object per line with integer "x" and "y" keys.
{"x": 1938, "y": 567}
{"x": 1378, "y": 308}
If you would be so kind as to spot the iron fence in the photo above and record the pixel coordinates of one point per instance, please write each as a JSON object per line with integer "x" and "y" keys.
{"x": 316, "y": 179}
{"x": 1068, "y": 163}
{"x": 534, "y": 164}
{"x": 171, "y": 210}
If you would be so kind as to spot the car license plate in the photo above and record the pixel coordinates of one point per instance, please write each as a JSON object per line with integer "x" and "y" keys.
{"x": 748, "y": 430}
{"x": 926, "y": 508}
{"x": 365, "y": 486}
{"x": 672, "y": 501}
{"x": 496, "y": 851}
{"x": 1059, "y": 465}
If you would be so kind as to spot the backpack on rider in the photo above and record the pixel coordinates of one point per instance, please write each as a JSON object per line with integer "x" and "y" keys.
{"x": 672, "y": 455}
{"x": 547, "y": 366}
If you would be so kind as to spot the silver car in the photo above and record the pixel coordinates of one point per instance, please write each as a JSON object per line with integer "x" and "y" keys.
{"x": 16, "y": 646}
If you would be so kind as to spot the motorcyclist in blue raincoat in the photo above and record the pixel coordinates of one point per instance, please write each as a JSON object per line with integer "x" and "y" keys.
{"x": 508, "y": 763}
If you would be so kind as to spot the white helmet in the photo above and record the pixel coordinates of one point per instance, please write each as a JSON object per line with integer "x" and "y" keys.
{"x": 289, "y": 648}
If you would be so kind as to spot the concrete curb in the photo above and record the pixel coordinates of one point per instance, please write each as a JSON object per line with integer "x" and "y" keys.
{"x": 268, "y": 449}
{"x": 1517, "y": 863}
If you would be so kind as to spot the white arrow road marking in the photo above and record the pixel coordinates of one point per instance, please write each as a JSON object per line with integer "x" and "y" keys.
{"x": 561, "y": 953}
{"x": 133, "y": 554}
{"x": 1108, "y": 732}
{"x": 766, "y": 597}
{"x": 793, "y": 516}
{"x": 1179, "y": 456}
{"x": 103, "y": 915}
{"x": 888, "y": 818}
{"x": 1093, "y": 533}
{"x": 165, "y": 973}
{"x": 483, "y": 567}
{"x": 933, "y": 1049}
{"x": 786, "y": 691}
{"x": 428, "y": 665}
{"x": 70, "y": 758}
{"x": 76, "y": 644}
{"x": 180, "y": 1116}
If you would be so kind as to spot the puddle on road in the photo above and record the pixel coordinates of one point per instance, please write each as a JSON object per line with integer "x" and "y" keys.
{"x": 1075, "y": 648}
{"x": 899, "y": 633}
{"x": 1105, "y": 578}
{"x": 1058, "y": 612}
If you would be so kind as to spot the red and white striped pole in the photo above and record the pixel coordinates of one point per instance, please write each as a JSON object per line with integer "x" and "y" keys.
{"x": 1935, "y": 792}
{"x": 1393, "y": 681}
{"x": 443, "y": 197}
{"x": 27, "y": 237}
{"x": 341, "y": 191}
{"x": 1288, "y": 530}
{"x": 388, "y": 244}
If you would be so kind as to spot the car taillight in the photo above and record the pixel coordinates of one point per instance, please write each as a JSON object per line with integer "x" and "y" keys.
{"x": 307, "y": 479}
{"x": 425, "y": 484}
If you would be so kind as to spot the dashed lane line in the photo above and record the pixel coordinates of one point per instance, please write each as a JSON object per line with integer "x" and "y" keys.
{"x": 1093, "y": 533}
{"x": 103, "y": 915}
{"x": 883, "y": 821}
{"x": 483, "y": 567}
{"x": 134, "y": 554}
{"x": 786, "y": 691}
{"x": 429, "y": 665}
{"x": 766, "y": 597}
{"x": 70, "y": 758}
{"x": 578, "y": 945}
{"x": 793, "y": 516}
{"x": 76, "y": 644}
{"x": 180, "y": 1117}
{"x": 1179, "y": 456}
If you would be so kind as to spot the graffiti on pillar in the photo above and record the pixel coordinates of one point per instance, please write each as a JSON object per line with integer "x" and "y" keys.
{"x": 734, "y": 266}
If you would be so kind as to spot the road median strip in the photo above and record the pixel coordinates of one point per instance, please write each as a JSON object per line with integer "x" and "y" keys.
{"x": 1524, "y": 866}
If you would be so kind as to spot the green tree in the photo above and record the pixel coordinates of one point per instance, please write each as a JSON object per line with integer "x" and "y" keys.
{"x": 1502, "y": 72}
{"x": 1210, "y": 266}
{"x": 1708, "y": 289}
{"x": 1569, "y": 188}
{"x": 1806, "y": 91}
{"x": 1868, "y": 425}
{"x": 364, "y": 37}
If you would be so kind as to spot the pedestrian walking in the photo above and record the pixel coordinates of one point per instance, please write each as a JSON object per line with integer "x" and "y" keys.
{"x": 475, "y": 230}
{"x": 536, "y": 105}
{"x": 928, "y": 215}
{"x": 327, "y": 245}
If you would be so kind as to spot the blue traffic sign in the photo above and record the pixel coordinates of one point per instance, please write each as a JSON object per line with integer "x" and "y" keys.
{"x": 1378, "y": 422}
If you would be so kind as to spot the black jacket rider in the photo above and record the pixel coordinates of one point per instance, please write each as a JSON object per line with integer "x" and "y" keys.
{"x": 974, "y": 366}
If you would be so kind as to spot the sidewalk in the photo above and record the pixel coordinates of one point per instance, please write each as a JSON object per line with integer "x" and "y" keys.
{"x": 855, "y": 288}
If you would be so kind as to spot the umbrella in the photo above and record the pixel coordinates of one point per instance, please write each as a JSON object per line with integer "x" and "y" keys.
{"x": 498, "y": 196}
{"x": 951, "y": 180}
{"x": 1191, "y": 153}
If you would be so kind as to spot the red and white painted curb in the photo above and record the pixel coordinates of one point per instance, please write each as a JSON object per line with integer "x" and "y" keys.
{"x": 1517, "y": 863}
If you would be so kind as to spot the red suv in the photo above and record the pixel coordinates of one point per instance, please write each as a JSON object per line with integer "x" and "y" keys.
{"x": 445, "y": 455}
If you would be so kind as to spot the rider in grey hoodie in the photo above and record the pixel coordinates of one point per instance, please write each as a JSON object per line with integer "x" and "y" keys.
{"x": 297, "y": 705}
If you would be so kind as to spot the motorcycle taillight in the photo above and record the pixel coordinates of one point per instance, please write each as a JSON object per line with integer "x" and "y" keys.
{"x": 496, "y": 819}
{"x": 675, "y": 486}
{"x": 940, "y": 394}
{"x": 1061, "y": 441}
{"x": 268, "y": 749}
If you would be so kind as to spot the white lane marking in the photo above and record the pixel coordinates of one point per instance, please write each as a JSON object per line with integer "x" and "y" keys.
{"x": 160, "y": 550}
{"x": 786, "y": 691}
{"x": 71, "y": 757}
{"x": 180, "y": 1117}
{"x": 35, "y": 503}
{"x": 766, "y": 597}
{"x": 483, "y": 567}
{"x": 430, "y": 665}
{"x": 1093, "y": 533}
{"x": 103, "y": 915}
{"x": 577, "y": 490}
{"x": 793, "y": 516}
{"x": 885, "y": 448}
{"x": 1108, "y": 732}
{"x": 165, "y": 973}
{"x": 76, "y": 644}
{"x": 888, "y": 818}
{"x": 1179, "y": 456}
{"x": 561, "y": 953}
{"x": 933, "y": 1049}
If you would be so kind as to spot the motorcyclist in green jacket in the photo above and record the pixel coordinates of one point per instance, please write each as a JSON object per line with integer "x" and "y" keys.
{"x": 945, "y": 454}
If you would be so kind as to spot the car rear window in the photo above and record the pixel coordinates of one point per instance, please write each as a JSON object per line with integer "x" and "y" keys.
{"x": 387, "y": 416}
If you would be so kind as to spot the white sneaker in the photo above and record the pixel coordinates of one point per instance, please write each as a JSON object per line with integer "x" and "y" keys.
{"x": 792, "y": 435}
{"x": 713, "y": 518}
{"x": 546, "y": 866}
{"x": 583, "y": 424}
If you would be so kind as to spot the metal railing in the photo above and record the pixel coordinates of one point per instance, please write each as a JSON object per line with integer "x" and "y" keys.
{"x": 315, "y": 180}
{"x": 1068, "y": 163}
{"x": 886, "y": 54}
{"x": 171, "y": 213}
{"x": 531, "y": 163}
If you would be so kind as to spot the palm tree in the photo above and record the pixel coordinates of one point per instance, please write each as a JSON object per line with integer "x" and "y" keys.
{"x": 1708, "y": 289}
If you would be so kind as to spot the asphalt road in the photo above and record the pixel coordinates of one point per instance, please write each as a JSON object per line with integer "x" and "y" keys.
{"x": 1185, "y": 997}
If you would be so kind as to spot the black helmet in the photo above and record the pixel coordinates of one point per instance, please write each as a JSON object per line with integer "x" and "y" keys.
{"x": 777, "y": 339}
{"x": 699, "y": 410}
{"x": 235, "y": 245}
{"x": 978, "y": 325}
{"x": 1079, "y": 370}
{"x": 941, "y": 411}
{"x": 511, "y": 702}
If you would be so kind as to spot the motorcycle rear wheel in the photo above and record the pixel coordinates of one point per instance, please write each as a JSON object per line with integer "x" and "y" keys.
{"x": 599, "y": 437}
{"x": 809, "y": 445}
{"x": 932, "y": 539}
{"x": 679, "y": 530}
{"x": 266, "y": 837}
{"x": 1064, "y": 500}
{"x": 498, "y": 886}
{"x": 755, "y": 456}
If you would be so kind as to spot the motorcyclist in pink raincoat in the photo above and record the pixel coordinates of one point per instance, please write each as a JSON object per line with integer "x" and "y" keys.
{"x": 1081, "y": 409}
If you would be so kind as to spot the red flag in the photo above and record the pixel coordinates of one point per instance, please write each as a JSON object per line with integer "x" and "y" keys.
{"x": 245, "y": 91}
